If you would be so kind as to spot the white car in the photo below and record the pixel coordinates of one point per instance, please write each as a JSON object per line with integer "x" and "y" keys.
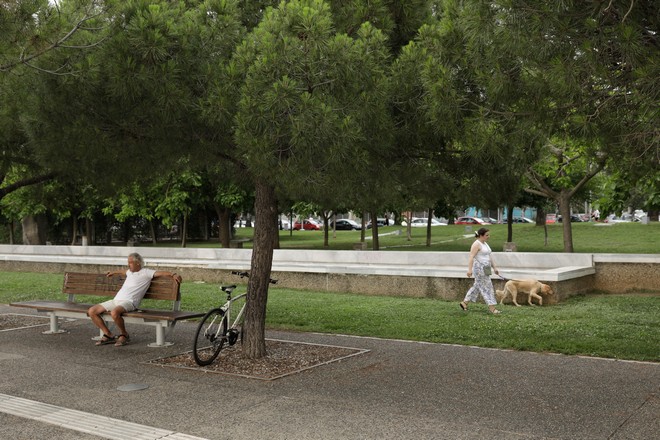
{"x": 417, "y": 222}
{"x": 625, "y": 218}
{"x": 517, "y": 220}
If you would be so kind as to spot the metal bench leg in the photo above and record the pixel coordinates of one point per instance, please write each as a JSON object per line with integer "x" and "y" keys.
{"x": 160, "y": 337}
{"x": 108, "y": 322}
{"x": 54, "y": 325}
{"x": 99, "y": 337}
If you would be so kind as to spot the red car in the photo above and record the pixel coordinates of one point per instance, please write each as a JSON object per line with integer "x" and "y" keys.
{"x": 470, "y": 221}
{"x": 307, "y": 225}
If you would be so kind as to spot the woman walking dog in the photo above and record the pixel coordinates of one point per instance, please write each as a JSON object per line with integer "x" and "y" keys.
{"x": 480, "y": 264}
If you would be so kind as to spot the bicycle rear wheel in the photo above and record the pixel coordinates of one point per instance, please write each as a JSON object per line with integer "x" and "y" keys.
{"x": 210, "y": 337}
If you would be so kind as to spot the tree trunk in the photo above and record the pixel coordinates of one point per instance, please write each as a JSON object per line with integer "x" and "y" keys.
{"x": 265, "y": 207}
{"x": 204, "y": 224}
{"x": 540, "y": 216}
{"x": 184, "y": 231}
{"x": 565, "y": 211}
{"x": 409, "y": 226}
{"x": 126, "y": 227}
{"x": 363, "y": 231}
{"x": 276, "y": 237}
{"x": 224, "y": 225}
{"x": 89, "y": 231}
{"x": 428, "y": 228}
{"x": 34, "y": 229}
{"x": 374, "y": 231}
{"x": 326, "y": 232}
{"x": 154, "y": 234}
{"x": 74, "y": 229}
{"x": 509, "y": 223}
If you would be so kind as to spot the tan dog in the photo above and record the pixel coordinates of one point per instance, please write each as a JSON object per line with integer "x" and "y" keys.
{"x": 531, "y": 287}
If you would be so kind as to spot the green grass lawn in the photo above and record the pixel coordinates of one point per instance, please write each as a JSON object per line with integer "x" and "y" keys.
{"x": 614, "y": 326}
{"x": 587, "y": 238}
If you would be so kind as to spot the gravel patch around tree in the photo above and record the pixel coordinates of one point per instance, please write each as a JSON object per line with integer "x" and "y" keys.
{"x": 283, "y": 358}
{"x": 12, "y": 321}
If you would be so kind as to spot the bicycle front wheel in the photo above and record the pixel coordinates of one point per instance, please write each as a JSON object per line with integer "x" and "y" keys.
{"x": 210, "y": 337}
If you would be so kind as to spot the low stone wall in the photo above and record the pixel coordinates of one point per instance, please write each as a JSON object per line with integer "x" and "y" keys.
{"x": 618, "y": 274}
{"x": 385, "y": 285}
{"x": 413, "y": 274}
{"x": 451, "y": 289}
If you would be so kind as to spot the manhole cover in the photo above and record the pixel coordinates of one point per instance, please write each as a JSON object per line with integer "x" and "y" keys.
{"x": 133, "y": 387}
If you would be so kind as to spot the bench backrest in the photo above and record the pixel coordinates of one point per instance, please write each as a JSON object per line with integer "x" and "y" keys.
{"x": 77, "y": 283}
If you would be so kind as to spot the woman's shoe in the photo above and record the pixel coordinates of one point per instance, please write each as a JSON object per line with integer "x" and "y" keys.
{"x": 495, "y": 312}
{"x": 463, "y": 306}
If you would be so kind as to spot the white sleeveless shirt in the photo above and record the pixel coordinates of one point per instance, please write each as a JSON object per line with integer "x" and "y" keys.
{"x": 483, "y": 256}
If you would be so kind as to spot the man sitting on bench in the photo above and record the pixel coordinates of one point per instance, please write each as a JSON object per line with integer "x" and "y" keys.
{"x": 127, "y": 299}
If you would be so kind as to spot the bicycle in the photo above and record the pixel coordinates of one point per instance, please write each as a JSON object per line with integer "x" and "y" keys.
{"x": 214, "y": 331}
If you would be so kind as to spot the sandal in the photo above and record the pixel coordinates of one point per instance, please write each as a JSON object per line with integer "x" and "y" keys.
{"x": 496, "y": 312}
{"x": 105, "y": 340}
{"x": 463, "y": 306}
{"x": 122, "y": 340}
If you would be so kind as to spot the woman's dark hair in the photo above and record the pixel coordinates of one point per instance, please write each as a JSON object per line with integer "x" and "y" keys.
{"x": 481, "y": 232}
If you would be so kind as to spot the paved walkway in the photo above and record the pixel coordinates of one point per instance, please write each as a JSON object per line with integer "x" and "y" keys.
{"x": 63, "y": 387}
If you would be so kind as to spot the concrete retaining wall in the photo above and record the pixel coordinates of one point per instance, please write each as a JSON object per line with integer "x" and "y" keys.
{"x": 617, "y": 273}
{"x": 415, "y": 274}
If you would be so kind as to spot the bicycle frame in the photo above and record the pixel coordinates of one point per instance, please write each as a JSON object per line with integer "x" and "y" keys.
{"x": 218, "y": 326}
{"x": 228, "y": 306}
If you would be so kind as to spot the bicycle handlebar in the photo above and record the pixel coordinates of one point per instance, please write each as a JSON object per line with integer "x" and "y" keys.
{"x": 247, "y": 275}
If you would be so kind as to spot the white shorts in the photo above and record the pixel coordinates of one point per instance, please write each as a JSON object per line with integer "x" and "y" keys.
{"x": 113, "y": 303}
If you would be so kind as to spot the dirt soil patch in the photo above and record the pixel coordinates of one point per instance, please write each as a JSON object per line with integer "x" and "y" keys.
{"x": 284, "y": 358}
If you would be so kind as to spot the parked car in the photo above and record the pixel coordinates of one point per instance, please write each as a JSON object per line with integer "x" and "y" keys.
{"x": 519, "y": 220}
{"x": 625, "y": 218}
{"x": 418, "y": 222}
{"x": 380, "y": 222}
{"x": 550, "y": 219}
{"x": 575, "y": 218}
{"x": 306, "y": 225}
{"x": 639, "y": 214}
{"x": 471, "y": 221}
{"x": 345, "y": 224}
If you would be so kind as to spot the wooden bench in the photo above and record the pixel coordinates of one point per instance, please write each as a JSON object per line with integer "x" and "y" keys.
{"x": 161, "y": 288}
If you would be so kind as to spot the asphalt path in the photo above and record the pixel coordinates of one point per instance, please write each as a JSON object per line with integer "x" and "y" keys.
{"x": 63, "y": 387}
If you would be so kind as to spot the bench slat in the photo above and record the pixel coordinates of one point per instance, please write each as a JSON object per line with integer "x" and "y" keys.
{"x": 94, "y": 284}
{"x": 146, "y": 314}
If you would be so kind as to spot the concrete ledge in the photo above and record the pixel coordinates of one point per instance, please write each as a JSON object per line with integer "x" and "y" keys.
{"x": 426, "y": 274}
{"x": 549, "y": 267}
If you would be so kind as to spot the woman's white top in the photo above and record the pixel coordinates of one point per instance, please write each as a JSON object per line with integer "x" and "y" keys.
{"x": 483, "y": 256}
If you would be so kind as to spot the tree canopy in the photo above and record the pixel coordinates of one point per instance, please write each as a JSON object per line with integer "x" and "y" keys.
{"x": 349, "y": 104}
